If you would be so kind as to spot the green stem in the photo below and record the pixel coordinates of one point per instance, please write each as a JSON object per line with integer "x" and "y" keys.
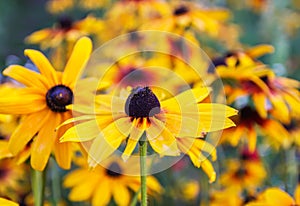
{"x": 55, "y": 182}
{"x": 135, "y": 198}
{"x": 143, "y": 168}
{"x": 38, "y": 186}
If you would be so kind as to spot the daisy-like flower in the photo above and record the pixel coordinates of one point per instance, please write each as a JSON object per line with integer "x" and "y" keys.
{"x": 66, "y": 29}
{"x": 243, "y": 175}
{"x": 43, "y": 103}
{"x": 275, "y": 196}
{"x": 100, "y": 185}
{"x": 247, "y": 121}
{"x": 121, "y": 117}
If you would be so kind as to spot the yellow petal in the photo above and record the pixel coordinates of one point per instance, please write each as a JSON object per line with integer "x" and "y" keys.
{"x": 81, "y": 132}
{"x": 252, "y": 139}
{"x": 84, "y": 190}
{"x": 260, "y": 104}
{"x": 297, "y": 194}
{"x": 43, "y": 65}
{"x": 22, "y": 101}
{"x": 43, "y": 143}
{"x": 25, "y": 76}
{"x": 63, "y": 154}
{"x": 29, "y": 127}
{"x": 161, "y": 139}
{"x": 4, "y": 151}
{"x": 260, "y": 50}
{"x": 75, "y": 177}
{"x": 134, "y": 137}
{"x": 209, "y": 170}
{"x": 77, "y": 61}
{"x": 121, "y": 194}
{"x": 109, "y": 140}
{"x": 102, "y": 194}
{"x": 5, "y": 202}
{"x": 282, "y": 198}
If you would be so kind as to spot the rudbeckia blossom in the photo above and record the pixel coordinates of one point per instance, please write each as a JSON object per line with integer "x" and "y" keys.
{"x": 127, "y": 116}
{"x": 247, "y": 122}
{"x": 100, "y": 185}
{"x": 43, "y": 103}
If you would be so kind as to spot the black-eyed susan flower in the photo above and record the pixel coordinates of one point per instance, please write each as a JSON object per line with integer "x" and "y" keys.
{"x": 245, "y": 174}
{"x": 102, "y": 184}
{"x": 246, "y": 130}
{"x": 43, "y": 103}
{"x": 275, "y": 196}
{"x": 126, "y": 117}
{"x": 66, "y": 29}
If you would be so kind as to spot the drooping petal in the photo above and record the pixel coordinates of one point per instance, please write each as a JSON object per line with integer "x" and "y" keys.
{"x": 43, "y": 143}
{"x": 5, "y": 202}
{"x": 161, "y": 139}
{"x": 260, "y": 104}
{"x": 78, "y": 59}
{"x": 25, "y": 76}
{"x": 63, "y": 154}
{"x": 109, "y": 140}
{"x": 135, "y": 134}
{"x": 22, "y": 101}
{"x": 209, "y": 170}
{"x": 4, "y": 151}
{"x": 43, "y": 64}
{"x": 29, "y": 127}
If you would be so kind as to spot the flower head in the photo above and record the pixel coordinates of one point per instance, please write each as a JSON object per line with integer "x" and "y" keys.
{"x": 43, "y": 103}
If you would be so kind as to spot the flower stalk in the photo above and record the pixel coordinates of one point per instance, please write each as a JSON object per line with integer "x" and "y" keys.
{"x": 143, "y": 168}
{"x": 38, "y": 186}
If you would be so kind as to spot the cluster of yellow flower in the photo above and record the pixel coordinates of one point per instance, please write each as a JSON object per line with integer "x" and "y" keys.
{"x": 153, "y": 84}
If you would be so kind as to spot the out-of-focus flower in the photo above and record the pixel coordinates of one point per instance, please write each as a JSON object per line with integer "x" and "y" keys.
{"x": 43, "y": 103}
{"x": 226, "y": 197}
{"x": 190, "y": 190}
{"x": 5, "y": 202}
{"x": 65, "y": 30}
{"x": 294, "y": 130}
{"x": 100, "y": 184}
{"x": 13, "y": 179}
{"x": 59, "y": 6}
{"x": 184, "y": 15}
{"x": 243, "y": 175}
{"x": 123, "y": 115}
{"x": 275, "y": 196}
{"x": 246, "y": 129}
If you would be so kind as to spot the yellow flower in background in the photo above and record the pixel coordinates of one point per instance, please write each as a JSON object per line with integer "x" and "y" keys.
{"x": 225, "y": 197}
{"x": 66, "y": 29}
{"x": 5, "y": 202}
{"x": 243, "y": 175}
{"x": 275, "y": 196}
{"x": 14, "y": 181}
{"x": 183, "y": 15}
{"x": 43, "y": 103}
{"x": 59, "y": 6}
{"x": 121, "y": 117}
{"x": 100, "y": 185}
{"x": 246, "y": 130}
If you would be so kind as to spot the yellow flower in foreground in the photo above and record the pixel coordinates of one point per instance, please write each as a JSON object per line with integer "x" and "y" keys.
{"x": 43, "y": 102}
{"x": 5, "y": 202}
{"x": 100, "y": 184}
{"x": 166, "y": 123}
{"x": 275, "y": 196}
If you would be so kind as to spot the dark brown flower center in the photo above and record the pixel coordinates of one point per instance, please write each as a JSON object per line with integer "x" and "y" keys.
{"x": 181, "y": 10}
{"x": 114, "y": 170}
{"x": 58, "y": 97}
{"x": 65, "y": 23}
{"x": 142, "y": 102}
